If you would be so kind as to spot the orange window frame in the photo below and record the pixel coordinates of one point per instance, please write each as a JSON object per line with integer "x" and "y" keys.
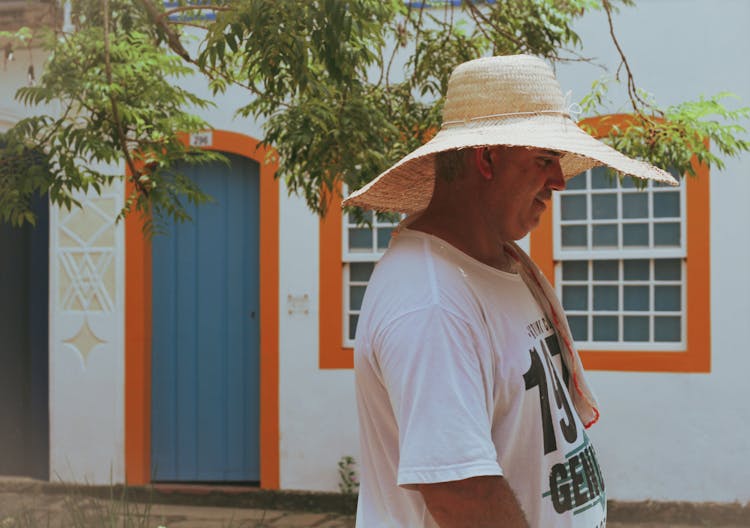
{"x": 332, "y": 354}
{"x": 138, "y": 321}
{"x": 696, "y": 357}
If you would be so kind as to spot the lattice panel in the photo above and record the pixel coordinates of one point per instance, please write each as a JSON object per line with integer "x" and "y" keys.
{"x": 86, "y": 256}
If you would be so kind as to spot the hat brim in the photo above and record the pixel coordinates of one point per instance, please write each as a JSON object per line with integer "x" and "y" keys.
{"x": 407, "y": 186}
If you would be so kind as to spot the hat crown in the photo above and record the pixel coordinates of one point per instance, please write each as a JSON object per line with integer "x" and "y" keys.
{"x": 502, "y": 86}
{"x": 512, "y": 101}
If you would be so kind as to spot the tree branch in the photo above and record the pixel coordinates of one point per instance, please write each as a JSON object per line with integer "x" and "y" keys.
{"x": 173, "y": 39}
{"x": 182, "y": 9}
{"x": 478, "y": 17}
{"x": 174, "y": 43}
{"x": 121, "y": 138}
{"x": 635, "y": 100}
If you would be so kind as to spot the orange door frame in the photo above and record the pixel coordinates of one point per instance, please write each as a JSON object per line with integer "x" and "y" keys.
{"x": 138, "y": 322}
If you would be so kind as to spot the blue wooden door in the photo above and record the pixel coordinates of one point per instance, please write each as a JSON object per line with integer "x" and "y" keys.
{"x": 205, "y": 344}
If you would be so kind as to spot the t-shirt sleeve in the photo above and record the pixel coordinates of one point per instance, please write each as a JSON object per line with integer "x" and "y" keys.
{"x": 440, "y": 386}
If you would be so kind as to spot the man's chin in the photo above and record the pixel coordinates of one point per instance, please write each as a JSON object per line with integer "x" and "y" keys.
{"x": 528, "y": 229}
{"x": 522, "y": 234}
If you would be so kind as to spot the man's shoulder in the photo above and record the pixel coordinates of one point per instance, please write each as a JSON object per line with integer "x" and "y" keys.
{"x": 415, "y": 275}
{"x": 414, "y": 260}
{"x": 402, "y": 272}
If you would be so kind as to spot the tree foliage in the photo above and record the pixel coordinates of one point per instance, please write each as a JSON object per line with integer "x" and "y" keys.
{"x": 24, "y": 172}
{"x": 120, "y": 105}
{"x": 344, "y": 89}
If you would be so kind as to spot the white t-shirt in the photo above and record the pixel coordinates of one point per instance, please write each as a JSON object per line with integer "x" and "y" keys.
{"x": 459, "y": 375}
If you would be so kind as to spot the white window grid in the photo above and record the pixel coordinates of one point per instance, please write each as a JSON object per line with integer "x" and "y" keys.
{"x": 356, "y": 251}
{"x": 620, "y": 253}
{"x": 652, "y": 314}
{"x": 621, "y": 190}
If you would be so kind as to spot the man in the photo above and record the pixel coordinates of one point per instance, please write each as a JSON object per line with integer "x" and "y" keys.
{"x": 471, "y": 396}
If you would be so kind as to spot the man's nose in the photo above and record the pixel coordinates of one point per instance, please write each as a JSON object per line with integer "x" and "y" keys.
{"x": 556, "y": 181}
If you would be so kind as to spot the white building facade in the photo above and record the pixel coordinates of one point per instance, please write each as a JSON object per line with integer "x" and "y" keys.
{"x": 660, "y": 318}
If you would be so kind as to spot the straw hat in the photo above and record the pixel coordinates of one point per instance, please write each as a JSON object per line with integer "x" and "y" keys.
{"x": 511, "y": 100}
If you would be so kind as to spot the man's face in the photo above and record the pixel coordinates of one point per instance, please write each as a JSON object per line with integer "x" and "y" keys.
{"x": 521, "y": 185}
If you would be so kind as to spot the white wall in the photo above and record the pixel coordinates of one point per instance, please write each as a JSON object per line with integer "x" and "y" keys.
{"x": 318, "y": 422}
{"x": 684, "y": 436}
{"x": 86, "y": 318}
{"x": 13, "y": 75}
{"x": 662, "y": 436}
{"x": 11, "y": 78}
{"x": 87, "y": 352}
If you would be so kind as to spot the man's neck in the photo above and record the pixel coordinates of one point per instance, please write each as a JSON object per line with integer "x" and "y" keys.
{"x": 476, "y": 243}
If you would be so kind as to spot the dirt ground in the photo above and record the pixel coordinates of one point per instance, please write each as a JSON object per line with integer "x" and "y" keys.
{"x": 30, "y": 504}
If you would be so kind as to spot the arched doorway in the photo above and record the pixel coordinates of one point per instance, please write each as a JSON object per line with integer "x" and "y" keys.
{"x": 139, "y": 327}
{"x": 205, "y": 332}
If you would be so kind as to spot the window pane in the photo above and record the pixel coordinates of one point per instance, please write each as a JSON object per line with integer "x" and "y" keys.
{"x": 635, "y": 328}
{"x": 360, "y": 238}
{"x": 605, "y": 235}
{"x": 605, "y": 298}
{"x": 574, "y": 236}
{"x": 601, "y": 178}
{"x": 353, "y": 319}
{"x": 667, "y": 328}
{"x": 605, "y": 270}
{"x": 575, "y": 270}
{"x": 635, "y": 205}
{"x": 636, "y": 269}
{"x": 667, "y": 298}
{"x": 667, "y": 234}
{"x": 605, "y": 328}
{"x": 575, "y": 297}
{"x": 668, "y": 269}
{"x": 604, "y": 206}
{"x": 356, "y": 293}
{"x": 573, "y": 207}
{"x": 579, "y": 327}
{"x": 388, "y": 218}
{"x": 667, "y": 204}
{"x": 360, "y": 271}
{"x": 628, "y": 182}
{"x": 366, "y": 216}
{"x": 577, "y": 182}
{"x": 635, "y": 298}
{"x": 384, "y": 237}
{"x": 635, "y": 235}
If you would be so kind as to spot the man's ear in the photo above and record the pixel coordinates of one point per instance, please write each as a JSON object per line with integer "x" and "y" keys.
{"x": 483, "y": 161}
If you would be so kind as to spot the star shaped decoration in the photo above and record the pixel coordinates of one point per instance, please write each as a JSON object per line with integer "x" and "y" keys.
{"x": 84, "y": 341}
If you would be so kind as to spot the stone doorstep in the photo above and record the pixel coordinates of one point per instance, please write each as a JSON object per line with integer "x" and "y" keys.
{"x": 212, "y": 513}
{"x": 205, "y": 516}
{"x": 279, "y": 501}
